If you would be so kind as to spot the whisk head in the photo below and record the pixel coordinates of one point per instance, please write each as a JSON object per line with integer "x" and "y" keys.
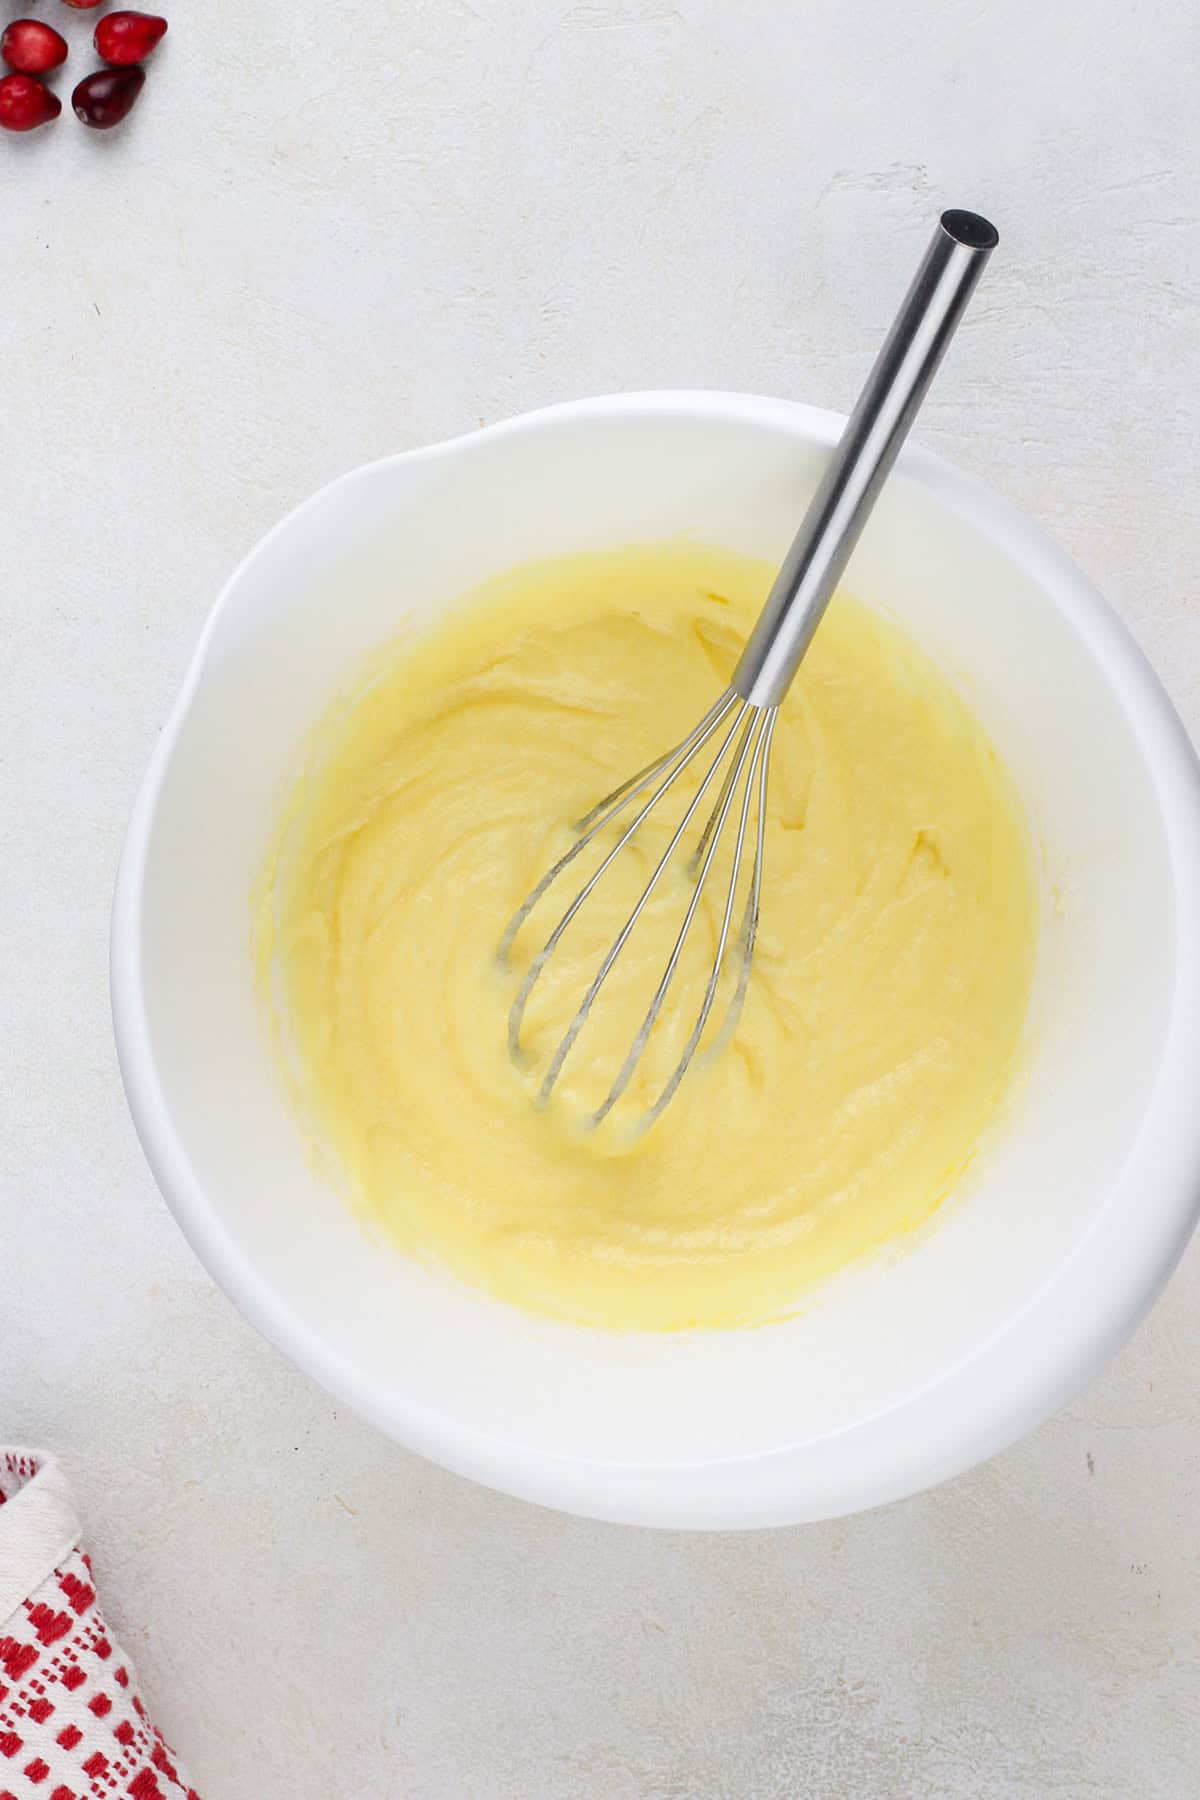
{"x": 732, "y": 838}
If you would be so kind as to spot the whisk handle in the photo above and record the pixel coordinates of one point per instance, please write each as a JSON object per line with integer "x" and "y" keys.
{"x": 869, "y": 445}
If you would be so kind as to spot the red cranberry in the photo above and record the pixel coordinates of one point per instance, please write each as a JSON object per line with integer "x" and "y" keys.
{"x": 123, "y": 38}
{"x": 83, "y": 4}
{"x": 32, "y": 47}
{"x": 102, "y": 100}
{"x": 25, "y": 103}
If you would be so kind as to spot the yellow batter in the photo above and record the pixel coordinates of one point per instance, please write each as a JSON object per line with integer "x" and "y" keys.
{"x": 889, "y": 989}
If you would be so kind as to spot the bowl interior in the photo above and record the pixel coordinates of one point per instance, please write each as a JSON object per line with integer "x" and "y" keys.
{"x": 446, "y": 1368}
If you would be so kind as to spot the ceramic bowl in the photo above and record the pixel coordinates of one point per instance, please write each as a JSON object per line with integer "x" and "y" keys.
{"x": 894, "y": 1375}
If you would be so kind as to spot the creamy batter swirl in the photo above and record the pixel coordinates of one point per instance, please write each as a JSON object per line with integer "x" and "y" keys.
{"x": 890, "y": 984}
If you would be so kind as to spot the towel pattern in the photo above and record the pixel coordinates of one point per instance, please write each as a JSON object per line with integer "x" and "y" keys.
{"x": 72, "y": 1724}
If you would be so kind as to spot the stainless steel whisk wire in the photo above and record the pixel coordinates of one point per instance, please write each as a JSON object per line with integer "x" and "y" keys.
{"x": 748, "y": 710}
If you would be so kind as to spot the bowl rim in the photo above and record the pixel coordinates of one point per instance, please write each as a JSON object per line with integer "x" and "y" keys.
{"x": 1034, "y": 1361}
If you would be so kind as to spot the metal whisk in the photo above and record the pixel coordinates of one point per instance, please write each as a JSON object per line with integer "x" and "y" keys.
{"x": 743, "y": 719}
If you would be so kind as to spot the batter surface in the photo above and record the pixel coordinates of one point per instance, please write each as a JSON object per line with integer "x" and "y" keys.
{"x": 890, "y": 982}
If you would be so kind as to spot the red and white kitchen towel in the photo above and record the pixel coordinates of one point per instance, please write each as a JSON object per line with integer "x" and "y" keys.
{"x": 72, "y": 1726}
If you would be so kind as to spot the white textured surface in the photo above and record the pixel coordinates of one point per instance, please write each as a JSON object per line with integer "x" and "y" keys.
{"x": 329, "y": 232}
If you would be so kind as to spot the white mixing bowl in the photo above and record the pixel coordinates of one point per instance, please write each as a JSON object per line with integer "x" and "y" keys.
{"x": 899, "y": 1373}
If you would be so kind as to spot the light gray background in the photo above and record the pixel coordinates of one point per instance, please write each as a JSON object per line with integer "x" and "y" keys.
{"x": 336, "y": 230}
